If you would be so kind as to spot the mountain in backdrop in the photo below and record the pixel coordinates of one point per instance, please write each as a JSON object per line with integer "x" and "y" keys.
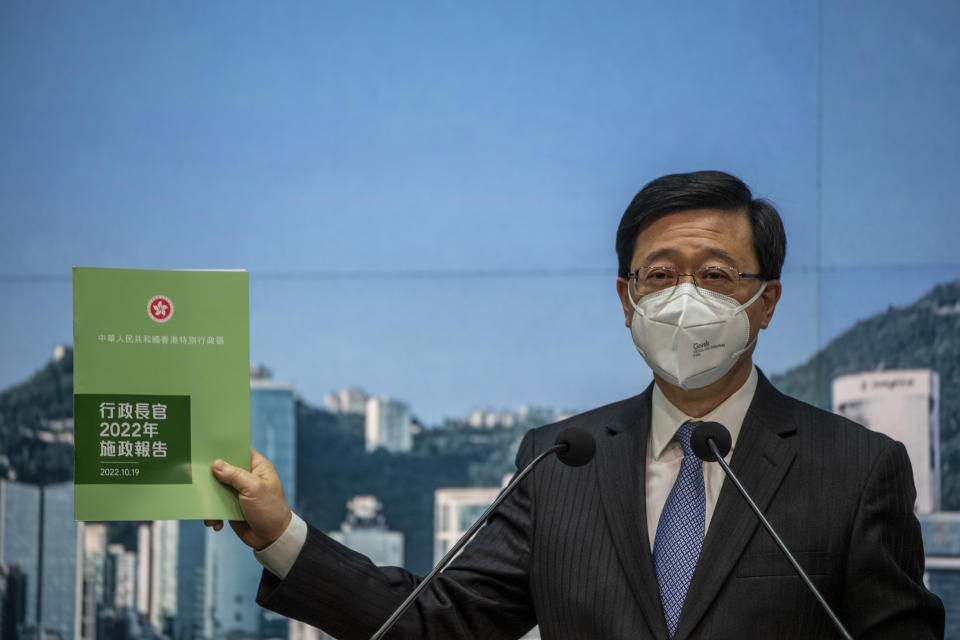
{"x": 923, "y": 335}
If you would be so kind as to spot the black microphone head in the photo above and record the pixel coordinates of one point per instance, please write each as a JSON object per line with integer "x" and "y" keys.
{"x": 580, "y": 447}
{"x": 710, "y": 431}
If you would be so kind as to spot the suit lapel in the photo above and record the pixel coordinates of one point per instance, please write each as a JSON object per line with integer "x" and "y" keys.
{"x": 619, "y": 464}
{"x": 761, "y": 460}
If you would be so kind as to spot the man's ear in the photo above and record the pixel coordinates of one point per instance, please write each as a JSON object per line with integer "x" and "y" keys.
{"x": 770, "y": 297}
{"x": 623, "y": 293}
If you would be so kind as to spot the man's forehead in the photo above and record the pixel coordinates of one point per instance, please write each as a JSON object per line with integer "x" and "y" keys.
{"x": 708, "y": 233}
{"x": 675, "y": 253}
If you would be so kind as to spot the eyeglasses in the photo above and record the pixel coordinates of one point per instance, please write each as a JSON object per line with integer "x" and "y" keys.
{"x": 723, "y": 280}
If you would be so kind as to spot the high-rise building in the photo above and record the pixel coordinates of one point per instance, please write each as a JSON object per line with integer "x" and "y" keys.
{"x": 525, "y": 415}
{"x": 388, "y": 425}
{"x": 20, "y": 537}
{"x": 941, "y": 544}
{"x": 905, "y": 405}
{"x": 352, "y": 400}
{"x": 125, "y": 590}
{"x": 13, "y": 596}
{"x": 455, "y": 510}
{"x": 61, "y": 572}
{"x": 365, "y": 531}
{"x": 273, "y": 429}
{"x": 120, "y": 577}
{"x": 93, "y": 554}
{"x": 144, "y": 577}
{"x": 217, "y": 573}
{"x": 156, "y": 572}
{"x": 39, "y": 536}
{"x": 194, "y": 588}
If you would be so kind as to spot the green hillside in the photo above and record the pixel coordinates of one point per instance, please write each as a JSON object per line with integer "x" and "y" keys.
{"x": 923, "y": 335}
{"x": 29, "y": 412}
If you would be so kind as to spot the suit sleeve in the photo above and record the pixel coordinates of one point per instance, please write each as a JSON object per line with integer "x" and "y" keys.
{"x": 484, "y": 593}
{"x": 884, "y": 595}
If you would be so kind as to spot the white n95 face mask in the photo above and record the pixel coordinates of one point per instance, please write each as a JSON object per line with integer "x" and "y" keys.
{"x": 691, "y": 337}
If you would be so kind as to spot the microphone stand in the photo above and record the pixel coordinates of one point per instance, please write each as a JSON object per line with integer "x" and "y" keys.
{"x": 455, "y": 549}
{"x": 776, "y": 538}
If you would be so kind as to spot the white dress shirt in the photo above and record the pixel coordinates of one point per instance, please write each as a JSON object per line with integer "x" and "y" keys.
{"x": 664, "y": 454}
{"x": 662, "y": 467}
{"x": 282, "y": 552}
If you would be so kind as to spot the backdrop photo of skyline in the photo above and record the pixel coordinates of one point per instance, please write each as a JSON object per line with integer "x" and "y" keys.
{"x": 426, "y": 195}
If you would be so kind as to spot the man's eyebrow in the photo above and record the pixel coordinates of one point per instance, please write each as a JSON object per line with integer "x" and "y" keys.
{"x": 721, "y": 254}
{"x": 716, "y": 252}
{"x": 656, "y": 255}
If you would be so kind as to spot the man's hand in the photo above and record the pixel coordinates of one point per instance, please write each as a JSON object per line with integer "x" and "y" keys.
{"x": 261, "y": 501}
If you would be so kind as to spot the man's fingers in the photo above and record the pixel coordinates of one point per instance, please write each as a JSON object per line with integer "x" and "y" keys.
{"x": 260, "y": 466}
{"x": 216, "y": 524}
{"x": 240, "y": 479}
{"x": 240, "y": 527}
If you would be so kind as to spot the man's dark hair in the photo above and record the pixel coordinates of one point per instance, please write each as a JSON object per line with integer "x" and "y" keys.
{"x": 704, "y": 190}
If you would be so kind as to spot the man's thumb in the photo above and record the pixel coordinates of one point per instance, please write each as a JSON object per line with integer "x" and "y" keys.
{"x": 240, "y": 479}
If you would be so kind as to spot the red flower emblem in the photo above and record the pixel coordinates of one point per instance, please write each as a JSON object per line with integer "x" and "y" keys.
{"x": 160, "y": 309}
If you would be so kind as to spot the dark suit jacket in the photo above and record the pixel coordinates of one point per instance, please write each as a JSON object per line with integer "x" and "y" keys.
{"x": 570, "y": 551}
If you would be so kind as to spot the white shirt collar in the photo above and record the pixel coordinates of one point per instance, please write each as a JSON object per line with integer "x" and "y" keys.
{"x": 666, "y": 418}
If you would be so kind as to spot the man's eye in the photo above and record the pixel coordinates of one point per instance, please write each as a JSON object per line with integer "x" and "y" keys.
{"x": 658, "y": 274}
{"x": 715, "y": 273}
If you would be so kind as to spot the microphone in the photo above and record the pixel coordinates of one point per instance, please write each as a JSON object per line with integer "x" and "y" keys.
{"x": 710, "y": 441}
{"x": 705, "y": 432}
{"x": 580, "y": 447}
{"x": 574, "y": 447}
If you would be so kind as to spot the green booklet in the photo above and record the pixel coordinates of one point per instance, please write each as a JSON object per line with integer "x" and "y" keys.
{"x": 161, "y": 382}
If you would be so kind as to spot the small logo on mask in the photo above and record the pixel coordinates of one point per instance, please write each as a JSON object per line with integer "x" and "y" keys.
{"x": 700, "y": 347}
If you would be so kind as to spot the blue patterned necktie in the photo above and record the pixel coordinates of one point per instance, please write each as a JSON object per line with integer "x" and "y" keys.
{"x": 680, "y": 530}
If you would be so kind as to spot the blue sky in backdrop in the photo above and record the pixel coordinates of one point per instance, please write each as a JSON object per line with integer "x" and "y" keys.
{"x": 426, "y": 194}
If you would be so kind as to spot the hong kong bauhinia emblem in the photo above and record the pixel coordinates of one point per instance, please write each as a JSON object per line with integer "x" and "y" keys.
{"x": 160, "y": 308}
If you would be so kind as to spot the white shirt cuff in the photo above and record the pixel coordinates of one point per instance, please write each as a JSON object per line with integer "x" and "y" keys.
{"x": 279, "y": 556}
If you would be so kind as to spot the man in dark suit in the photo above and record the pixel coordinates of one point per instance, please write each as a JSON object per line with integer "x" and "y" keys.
{"x": 646, "y": 541}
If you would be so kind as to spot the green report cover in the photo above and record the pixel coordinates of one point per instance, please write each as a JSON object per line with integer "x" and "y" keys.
{"x": 161, "y": 383}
